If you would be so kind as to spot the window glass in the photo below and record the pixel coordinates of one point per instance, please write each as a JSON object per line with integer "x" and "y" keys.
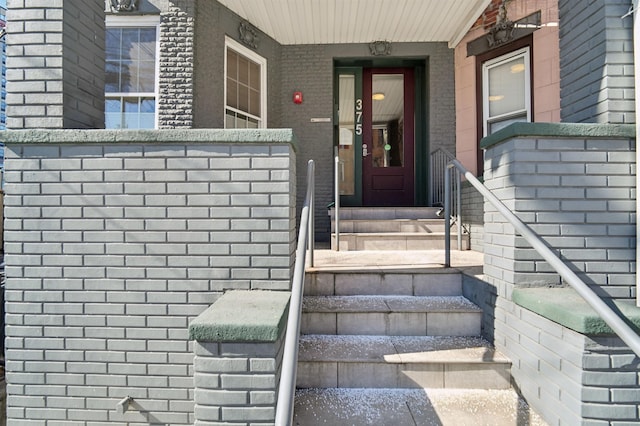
{"x": 245, "y": 94}
{"x": 506, "y": 90}
{"x": 347, "y": 129}
{"x": 130, "y": 80}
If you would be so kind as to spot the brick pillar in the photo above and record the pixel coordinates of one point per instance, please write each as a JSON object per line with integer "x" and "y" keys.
{"x": 55, "y": 64}
{"x": 238, "y": 357}
{"x": 574, "y": 185}
{"x": 175, "y": 106}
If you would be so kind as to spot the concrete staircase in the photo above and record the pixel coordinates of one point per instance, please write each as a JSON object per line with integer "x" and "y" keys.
{"x": 396, "y": 347}
{"x": 392, "y": 228}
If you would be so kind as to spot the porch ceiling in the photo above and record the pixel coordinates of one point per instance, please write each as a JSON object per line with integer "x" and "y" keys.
{"x": 360, "y": 21}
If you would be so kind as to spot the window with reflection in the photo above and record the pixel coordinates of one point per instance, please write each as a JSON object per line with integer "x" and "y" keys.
{"x": 131, "y": 75}
{"x": 387, "y": 142}
{"x": 506, "y": 90}
{"x": 346, "y": 136}
{"x": 245, "y": 88}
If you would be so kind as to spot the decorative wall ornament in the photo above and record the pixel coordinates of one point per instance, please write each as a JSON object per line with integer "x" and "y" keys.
{"x": 502, "y": 31}
{"x": 249, "y": 35}
{"x": 380, "y": 48}
{"x": 124, "y": 5}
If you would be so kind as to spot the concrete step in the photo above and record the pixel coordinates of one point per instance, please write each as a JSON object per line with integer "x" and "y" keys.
{"x": 426, "y": 226}
{"x": 400, "y": 362}
{"x": 380, "y": 213}
{"x": 391, "y": 315}
{"x": 444, "y": 407}
{"x": 397, "y": 241}
{"x": 383, "y": 281}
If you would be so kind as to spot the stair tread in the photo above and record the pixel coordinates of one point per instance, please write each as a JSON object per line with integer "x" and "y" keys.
{"x": 388, "y": 304}
{"x": 398, "y": 349}
{"x": 398, "y": 219}
{"x": 397, "y": 234}
{"x": 360, "y": 406}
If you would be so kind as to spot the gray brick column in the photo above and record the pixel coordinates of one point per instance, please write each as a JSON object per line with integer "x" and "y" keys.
{"x": 55, "y": 64}
{"x": 596, "y": 62}
{"x": 574, "y": 184}
{"x": 177, "y": 32}
{"x": 238, "y": 358}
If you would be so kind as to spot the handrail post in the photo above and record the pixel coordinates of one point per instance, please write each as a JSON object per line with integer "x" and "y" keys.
{"x": 311, "y": 176}
{"x": 458, "y": 207}
{"x": 336, "y": 210}
{"x": 447, "y": 217}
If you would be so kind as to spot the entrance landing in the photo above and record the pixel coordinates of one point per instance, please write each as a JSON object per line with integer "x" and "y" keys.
{"x": 463, "y": 260}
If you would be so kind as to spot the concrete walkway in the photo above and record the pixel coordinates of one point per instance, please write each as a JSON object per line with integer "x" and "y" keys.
{"x": 412, "y": 407}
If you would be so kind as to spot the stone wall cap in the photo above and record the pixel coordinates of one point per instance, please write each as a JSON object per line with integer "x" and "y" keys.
{"x": 243, "y": 316}
{"x": 560, "y": 130}
{"x": 565, "y": 306}
{"x": 169, "y": 136}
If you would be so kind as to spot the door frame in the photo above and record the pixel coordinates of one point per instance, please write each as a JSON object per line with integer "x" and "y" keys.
{"x": 421, "y": 121}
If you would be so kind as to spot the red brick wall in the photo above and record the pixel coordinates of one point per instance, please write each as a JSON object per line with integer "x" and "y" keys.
{"x": 488, "y": 17}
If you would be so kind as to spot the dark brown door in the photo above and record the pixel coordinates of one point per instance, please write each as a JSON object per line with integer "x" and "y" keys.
{"x": 388, "y": 137}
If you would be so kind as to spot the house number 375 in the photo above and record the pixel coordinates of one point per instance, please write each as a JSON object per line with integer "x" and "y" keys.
{"x": 358, "y": 117}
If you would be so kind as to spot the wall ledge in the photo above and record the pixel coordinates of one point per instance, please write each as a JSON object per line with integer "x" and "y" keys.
{"x": 190, "y": 136}
{"x": 566, "y": 307}
{"x": 560, "y": 130}
{"x": 243, "y": 316}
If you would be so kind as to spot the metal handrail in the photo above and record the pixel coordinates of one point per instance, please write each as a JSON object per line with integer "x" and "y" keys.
{"x": 440, "y": 158}
{"x": 286, "y": 389}
{"x": 613, "y": 320}
{"x": 336, "y": 202}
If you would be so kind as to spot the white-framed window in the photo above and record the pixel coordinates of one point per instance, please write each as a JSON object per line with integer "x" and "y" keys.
{"x": 132, "y": 67}
{"x": 506, "y": 90}
{"x": 245, "y": 87}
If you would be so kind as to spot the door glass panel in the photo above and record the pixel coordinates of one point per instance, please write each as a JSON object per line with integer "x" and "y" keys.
{"x": 387, "y": 142}
{"x": 346, "y": 137}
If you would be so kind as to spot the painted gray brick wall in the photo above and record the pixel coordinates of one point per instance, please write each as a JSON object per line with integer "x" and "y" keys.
{"x": 579, "y": 196}
{"x": 113, "y": 247}
{"x": 55, "y": 65}
{"x": 596, "y": 62}
{"x": 578, "y": 193}
{"x": 566, "y": 377}
{"x": 236, "y": 383}
{"x": 472, "y": 211}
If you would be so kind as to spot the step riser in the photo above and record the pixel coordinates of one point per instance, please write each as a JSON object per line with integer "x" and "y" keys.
{"x": 417, "y": 241}
{"x": 352, "y": 284}
{"x": 411, "y": 376}
{"x": 393, "y": 323}
{"x": 385, "y": 213}
{"x": 390, "y": 226}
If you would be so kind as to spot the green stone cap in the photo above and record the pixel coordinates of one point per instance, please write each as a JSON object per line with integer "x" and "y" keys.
{"x": 566, "y": 307}
{"x": 560, "y": 130}
{"x": 243, "y": 316}
{"x": 168, "y": 136}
